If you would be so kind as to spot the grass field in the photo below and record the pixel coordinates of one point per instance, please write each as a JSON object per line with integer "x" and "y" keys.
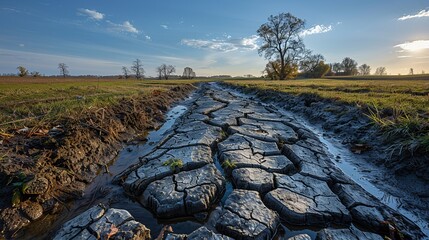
{"x": 23, "y": 100}
{"x": 409, "y": 96}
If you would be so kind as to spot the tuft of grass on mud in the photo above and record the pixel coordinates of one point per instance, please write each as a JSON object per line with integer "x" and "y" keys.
{"x": 410, "y": 134}
{"x": 228, "y": 164}
{"x": 173, "y": 163}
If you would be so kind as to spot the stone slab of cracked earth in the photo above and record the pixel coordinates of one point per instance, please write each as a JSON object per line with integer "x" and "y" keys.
{"x": 240, "y": 142}
{"x": 305, "y": 201}
{"x": 185, "y": 193}
{"x": 201, "y": 233}
{"x": 314, "y": 164}
{"x": 99, "y": 223}
{"x": 206, "y": 137}
{"x": 246, "y": 159}
{"x": 351, "y": 233}
{"x": 156, "y": 168}
{"x": 245, "y": 216}
{"x": 255, "y": 179}
{"x": 277, "y": 130}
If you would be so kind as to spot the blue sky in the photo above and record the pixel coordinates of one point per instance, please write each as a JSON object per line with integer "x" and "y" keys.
{"x": 212, "y": 37}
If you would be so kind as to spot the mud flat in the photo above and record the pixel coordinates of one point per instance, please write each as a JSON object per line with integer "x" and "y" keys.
{"x": 243, "y": 170}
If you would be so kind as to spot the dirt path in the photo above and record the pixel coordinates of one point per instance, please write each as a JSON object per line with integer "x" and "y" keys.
{"x": 245, "y": 171}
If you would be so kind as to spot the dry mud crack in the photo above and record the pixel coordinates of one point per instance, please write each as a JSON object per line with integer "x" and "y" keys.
{"x": 281, "y": 174}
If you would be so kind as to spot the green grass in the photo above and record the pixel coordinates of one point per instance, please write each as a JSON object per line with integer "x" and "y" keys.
{"x": 173, "y": 163}
{"x": 410, "y": 96}
{"x": 49, "y": 98}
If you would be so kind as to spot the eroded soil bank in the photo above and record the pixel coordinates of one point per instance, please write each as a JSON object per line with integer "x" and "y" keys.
{"x": 238, "y": 169}
{"x": 42, "y": 171}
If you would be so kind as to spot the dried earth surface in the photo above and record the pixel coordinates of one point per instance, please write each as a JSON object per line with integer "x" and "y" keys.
{"x": 243, "y": 170}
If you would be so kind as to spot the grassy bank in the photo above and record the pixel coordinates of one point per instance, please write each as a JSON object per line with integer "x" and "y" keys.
{"x": 410, "y": 96}
{"x": 399, "y": 107}
{"x": 24, "y": 101}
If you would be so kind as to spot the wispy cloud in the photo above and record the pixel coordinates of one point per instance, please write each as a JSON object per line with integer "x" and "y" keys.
{"x": 92, "y": 14}
{"x": 147, "y": 37}
{"x": 164, "y": 26}
{"x": 124, "y": 27}
{"x": 224, "y": 45}
{"x": 316, "y": 30}
{"x": 422, "y": 13}
{"x": 413, "y": 46}
{"x": 22, "y": 45}
{"x": 10, "y": 10}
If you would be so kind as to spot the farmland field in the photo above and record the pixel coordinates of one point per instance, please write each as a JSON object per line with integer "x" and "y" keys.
{"x": 27, "y": 99}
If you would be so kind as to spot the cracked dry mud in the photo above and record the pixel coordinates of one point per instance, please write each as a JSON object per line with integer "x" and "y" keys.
{"x": 281, "y": 174}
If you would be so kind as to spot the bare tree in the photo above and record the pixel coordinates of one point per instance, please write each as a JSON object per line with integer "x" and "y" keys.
{"x": 137, "y": 68}
{"x": 350, "y": 66}
{"x": 188, "y": 73}
{"x": 126, "y": 72}
{"x": 282, "y": 42}
{"x": 411, "y": 71}
{"x": 22, "y": 71}
{"x": 64, "y": 69}
{"x": 35, "y": 74}
{"x": 337, "y": 68}
{"x": 165, "y": 71}
{"x": 314, "y": 66}
{"x": 159, "y": 71}
{"x": 364, "y": 69}
{"x": 380, "y": 71}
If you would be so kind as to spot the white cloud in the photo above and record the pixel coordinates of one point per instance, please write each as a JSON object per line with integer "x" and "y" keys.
{"x": 224, "y": 45}
{"x": 413, "y": 46}
{"x": 93, "y": 14}
{"x": 422, "y": 13}
{"x": 316, "y": 30}
{"x": 164, "y": 26}
{"x": 124, "y": 27}
{"x": 22, "y": 45}
{"x": 147, "y": 37}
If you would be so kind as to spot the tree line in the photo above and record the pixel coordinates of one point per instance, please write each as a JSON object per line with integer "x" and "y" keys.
{"x": 288, "y": 57}
{"x": 24, "y": 72}
{"x": 163, "y": 71}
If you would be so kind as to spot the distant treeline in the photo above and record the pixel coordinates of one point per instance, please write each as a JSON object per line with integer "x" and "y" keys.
{"x": 383, "y": 77}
